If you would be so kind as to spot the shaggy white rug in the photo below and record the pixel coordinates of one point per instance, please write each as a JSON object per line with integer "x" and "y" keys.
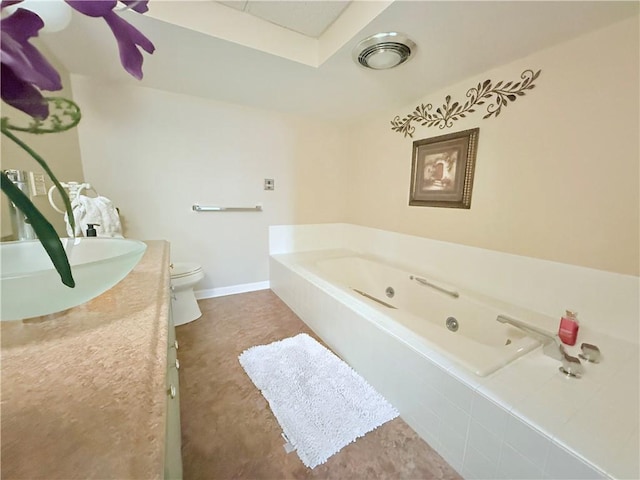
{"x": 321, "y": 403}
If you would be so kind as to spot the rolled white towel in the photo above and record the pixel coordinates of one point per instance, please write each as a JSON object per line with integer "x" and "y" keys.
{"x": 97, "y": 210}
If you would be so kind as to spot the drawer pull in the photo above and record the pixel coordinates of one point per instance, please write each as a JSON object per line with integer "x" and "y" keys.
{"x": 177, "y": 364}
{"x": 175, "y": 344}
{"x": 172, "y": 391}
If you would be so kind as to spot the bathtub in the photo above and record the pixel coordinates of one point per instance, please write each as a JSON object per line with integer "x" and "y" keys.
{"x": 429, "y": 314}
{"x": 524, "y": 420}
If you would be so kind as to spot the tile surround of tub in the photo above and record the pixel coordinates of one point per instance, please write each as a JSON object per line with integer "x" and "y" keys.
{"x": 430, "y": 407}
{"x": 524, "y": 413}
{"x": 302, "y": 238}
{"x": 607, "y": 302}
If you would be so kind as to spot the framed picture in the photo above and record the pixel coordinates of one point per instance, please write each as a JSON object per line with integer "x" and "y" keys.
{"x": 442, "y": 170}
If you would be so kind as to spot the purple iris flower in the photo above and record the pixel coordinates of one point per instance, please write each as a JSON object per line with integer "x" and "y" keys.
{"x": 6, "y": 3}
{"x": 127, "y": 36}
{"x": 25, "y": 71}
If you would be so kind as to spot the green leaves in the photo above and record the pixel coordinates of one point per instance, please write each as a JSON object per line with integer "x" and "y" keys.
{"x": 5, "y": 131}
{"x": 65, "y": 114}
{"x": 43, "y": 229}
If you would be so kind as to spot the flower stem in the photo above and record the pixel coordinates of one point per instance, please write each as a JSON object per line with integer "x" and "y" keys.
{"x": 42, "y": 228}
{"x": 43, "y": 164}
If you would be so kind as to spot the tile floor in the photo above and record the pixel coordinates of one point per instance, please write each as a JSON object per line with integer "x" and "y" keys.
{"x": 228, "y": 430}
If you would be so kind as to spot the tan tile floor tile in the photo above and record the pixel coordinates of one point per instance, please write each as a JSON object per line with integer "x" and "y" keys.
{"x": 228, "y": 430}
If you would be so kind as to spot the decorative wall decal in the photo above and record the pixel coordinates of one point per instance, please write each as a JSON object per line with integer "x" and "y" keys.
{"x": 442, "y": 170}
{"x": 444, "y": 116}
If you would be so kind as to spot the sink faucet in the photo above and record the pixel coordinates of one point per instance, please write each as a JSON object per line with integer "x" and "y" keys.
{"x": 22, "y": 228}
{"x": 552, "y": 346}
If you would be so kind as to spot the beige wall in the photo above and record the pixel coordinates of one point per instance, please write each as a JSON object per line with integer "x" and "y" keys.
{"x": 557, "y": 172}
{"x": 61, "y": 151}
{"x": 156, "y": 153}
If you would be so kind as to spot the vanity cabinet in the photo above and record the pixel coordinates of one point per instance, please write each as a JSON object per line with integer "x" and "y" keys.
{"x": 173, "y": 442}
{"x": 93, "y": 392}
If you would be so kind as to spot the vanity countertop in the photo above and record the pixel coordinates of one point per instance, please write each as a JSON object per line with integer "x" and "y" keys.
{"x": 83, "y": 391}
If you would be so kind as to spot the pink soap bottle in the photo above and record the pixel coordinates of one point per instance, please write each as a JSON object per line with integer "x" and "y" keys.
{"x": 568, "y": 331}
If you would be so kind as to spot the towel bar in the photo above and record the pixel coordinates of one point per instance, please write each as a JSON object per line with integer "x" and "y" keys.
{"x": 201, "y": 208}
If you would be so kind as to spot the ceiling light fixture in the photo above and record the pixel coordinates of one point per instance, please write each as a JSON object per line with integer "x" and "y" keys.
{"x": 383, "y": 50}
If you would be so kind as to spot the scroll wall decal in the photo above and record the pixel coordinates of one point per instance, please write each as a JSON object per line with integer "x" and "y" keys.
{"x": 444, "y": 116}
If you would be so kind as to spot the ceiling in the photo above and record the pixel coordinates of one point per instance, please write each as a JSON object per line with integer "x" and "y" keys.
{"x": 308, "y": 18}
{"x": 242, "y": 54}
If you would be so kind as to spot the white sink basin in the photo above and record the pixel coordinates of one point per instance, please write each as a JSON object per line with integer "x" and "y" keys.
{"x": 31, "y": 286}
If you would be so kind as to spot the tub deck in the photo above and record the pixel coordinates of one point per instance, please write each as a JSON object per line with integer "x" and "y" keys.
{"x": 525, "y": 418}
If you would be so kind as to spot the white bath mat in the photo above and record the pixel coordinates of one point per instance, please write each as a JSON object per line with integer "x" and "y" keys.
{"x": 321, "y": 403}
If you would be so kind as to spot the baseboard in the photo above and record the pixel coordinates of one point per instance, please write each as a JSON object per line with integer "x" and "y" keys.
{"x": 231, "y": 290}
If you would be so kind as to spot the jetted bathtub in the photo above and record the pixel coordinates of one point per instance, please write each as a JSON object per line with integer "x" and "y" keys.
{"x": 401, "y": 345}
{"x": 429, "y": 314}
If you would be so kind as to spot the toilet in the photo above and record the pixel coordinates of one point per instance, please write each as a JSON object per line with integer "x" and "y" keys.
{"x": 184, "y": 277}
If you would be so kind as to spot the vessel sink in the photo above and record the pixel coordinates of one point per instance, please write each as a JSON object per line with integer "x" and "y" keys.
{"x": 31, "y": 286}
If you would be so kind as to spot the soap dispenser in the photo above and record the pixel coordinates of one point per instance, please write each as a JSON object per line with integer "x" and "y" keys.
{"x": 91, "y": 232}
{"x": 568, "y": 331}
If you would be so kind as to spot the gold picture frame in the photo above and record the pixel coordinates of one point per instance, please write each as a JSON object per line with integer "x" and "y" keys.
{"x": 442, "y": 170}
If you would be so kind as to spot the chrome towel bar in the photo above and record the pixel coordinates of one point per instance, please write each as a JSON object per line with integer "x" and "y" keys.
{"x": 202, "y": 208}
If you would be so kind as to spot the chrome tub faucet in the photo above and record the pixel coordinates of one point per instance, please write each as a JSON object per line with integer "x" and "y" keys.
{"x": 552, "y": 346}
{"x": 571, "y": 366}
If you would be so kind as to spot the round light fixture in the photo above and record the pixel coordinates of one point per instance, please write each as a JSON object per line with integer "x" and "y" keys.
{"x": 383, "y": 50}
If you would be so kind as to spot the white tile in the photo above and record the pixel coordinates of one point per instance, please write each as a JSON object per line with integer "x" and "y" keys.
{"x": 424, "y": 416}
{"x": 514, "y": 466}
{"x": 489, "y": 414}
{"x": 484, "y": 441}
{"x": 620, "y": 404}
{"x": 429, "y": 420}
{"x": 526, "y": 440}
{"x": 454, "y": 418}
{"x": 433, "y": 399}
{"x": 547, "y": 415}
{"x": 458, "y": 393}
{"x": 597, "y": 431}
{"x": 598, "y": 448}
{"x": 452, "y": 446}
{"x": 434, "y": 376}
{"x": 427, "y": 426}
{"x": 465, "y": 376}
{"x": 413, "y": 362}
{"x": 535, "y": 369}
{"x": 627, "y": 463}
{"x": 505, "y": 392}
{"x": 441, "y": 361}
{"x": 573, "y": 393}
{"x": 477, "y": 466}
{"x": 563, "y": 465}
